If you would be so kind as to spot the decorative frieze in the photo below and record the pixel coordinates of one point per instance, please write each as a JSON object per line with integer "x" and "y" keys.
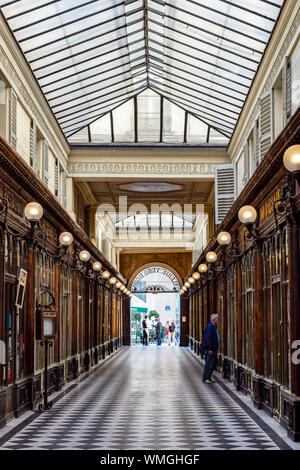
{"x": 94, "y": 169}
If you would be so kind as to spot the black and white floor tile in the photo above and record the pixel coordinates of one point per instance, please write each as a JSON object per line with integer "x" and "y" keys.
{"x": 146, "y": 398}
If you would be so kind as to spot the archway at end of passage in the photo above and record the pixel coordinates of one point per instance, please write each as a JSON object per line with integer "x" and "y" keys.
{"x": 155, "y": 288}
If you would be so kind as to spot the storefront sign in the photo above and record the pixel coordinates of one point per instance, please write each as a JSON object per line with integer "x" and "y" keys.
{"x": 266, "y": 208}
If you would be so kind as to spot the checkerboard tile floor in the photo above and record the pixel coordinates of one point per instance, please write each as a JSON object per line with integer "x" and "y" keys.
{"x": 146, "y": 398}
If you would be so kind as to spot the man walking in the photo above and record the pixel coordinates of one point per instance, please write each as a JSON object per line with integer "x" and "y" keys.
{"x": 172, "y": 328}
{"x": 158, "y": 332}
{"x": 210, "y": 347}
{"x": 145, "y": 331}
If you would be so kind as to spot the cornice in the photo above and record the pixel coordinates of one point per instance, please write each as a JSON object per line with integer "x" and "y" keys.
{"x": 17, "y": 168}
{"x": 98, "y": 169}
{"x": 31, "y": 83}
{"x": 288, "y": 21}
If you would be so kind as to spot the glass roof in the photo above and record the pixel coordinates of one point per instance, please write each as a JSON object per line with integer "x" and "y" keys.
{"x": 154, "y": 221}
{"x": 90, "y": 57}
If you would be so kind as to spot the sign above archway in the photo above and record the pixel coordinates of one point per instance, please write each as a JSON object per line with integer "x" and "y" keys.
{"x": 159, "y": 275}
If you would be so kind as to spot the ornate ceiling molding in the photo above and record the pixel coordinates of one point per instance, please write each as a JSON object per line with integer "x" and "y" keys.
{"x": 98, "y": 169}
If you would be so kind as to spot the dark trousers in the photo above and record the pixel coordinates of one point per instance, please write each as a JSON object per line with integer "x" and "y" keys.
{"x": 209, "y": 365}
{"x": 145, "y": 337}
{"x": 158, "y": 338}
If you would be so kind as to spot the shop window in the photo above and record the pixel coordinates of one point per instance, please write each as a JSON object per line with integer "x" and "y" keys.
{"x": 231, "y": 311}
{"x": 247, "y": 309}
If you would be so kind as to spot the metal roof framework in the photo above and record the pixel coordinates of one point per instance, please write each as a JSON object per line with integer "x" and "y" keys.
{"x": 90, "y": 57}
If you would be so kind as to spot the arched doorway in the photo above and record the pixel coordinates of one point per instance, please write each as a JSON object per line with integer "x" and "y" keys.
{"x": 155, "y": 290}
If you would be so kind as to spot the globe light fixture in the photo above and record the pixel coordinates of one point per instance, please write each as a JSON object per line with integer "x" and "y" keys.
{"x": 112, "y": 280}
{"x": 122, "y": 288}
{"x": 33, "y": 211}
{"x": 66, "y": 239}
{"x": 247, "y": 215}
{"x": 224, "y": 238}
{"x": 118, "y": 285}
{"x": 187, "y": 284}
{"x": 106, "y": 274}
{"x": 291, "y": 158}
{"x": 196, "y": 276}
{"x": 184, "y": 289}
{"x": 211, "y": 257}
{"x": 191, "y": 280}
{"x": 202, "y": 268}
{"x": 84, "y": 256}
{"x": 97, "y": 266}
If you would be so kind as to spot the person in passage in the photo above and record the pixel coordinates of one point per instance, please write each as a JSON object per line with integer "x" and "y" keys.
{"x": 172, "y": 328}
{"x": 210, "y": 346}
{"x": 167, "y": 329}
{"x": 158, "y": 331}
{"x": 145, "y": 331}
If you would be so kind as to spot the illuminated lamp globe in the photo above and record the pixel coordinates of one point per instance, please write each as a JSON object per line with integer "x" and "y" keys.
{"x": 196, "y": 276}
{"x": 211, "y": 257}
{"x": 191, "y": 280}
{"x": 291, "y": 158}
{"x": 106, "y": 274}
{"x": 66, "y": 239}
{"x": 33, "y": 211}
{"x": 202, "y": 268}
{"x": 122, "y": 288}
{"x": 112, "y": 280}
{"x": 84, "y": 256}
{"x": 118, "y": 285}
{"x": 187, "y": 285}
{"x": 224, "y": 238}
{"x": 97, "y": 266}
{"x": 247, "y": 214}
{"x": 184, "y": 289}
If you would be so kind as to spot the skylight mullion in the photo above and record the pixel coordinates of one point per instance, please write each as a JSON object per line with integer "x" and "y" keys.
{"x": 79, "y": 106}
{"x": 199, "y": 68}
{"x": 212, "y": 90}
{"x": 238, "y": 20}
{"x": 235, "y": 5}
{"x": 83, "y": 97}
{"x": 201, "y": 110}
{"x": 129, "y": 71}
{"x": 209, "y": 20}
{"x": 203, "y": 52}
{"x": 61, "y": 26}
{"x": 167, "y": 72}
{"x": 205, "y": 62}
{"x": 55, "y": 15}
{"x": 98, "y": 46}
{"x": 166, "y": 79}
{"x": 206, "y": 31}
{"x": 97, "y": 106}
{"x": 103, "y": 54}
{"x": 16, "y": 15}
{"x": 93, "y": 75}
{"x": 202, "y": 41}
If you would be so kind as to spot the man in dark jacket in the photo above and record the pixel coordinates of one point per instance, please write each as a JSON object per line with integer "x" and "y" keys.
{"x": 210, "y": 347}
{"x": 145, "y": 331}
{"x": 158, "y": 332}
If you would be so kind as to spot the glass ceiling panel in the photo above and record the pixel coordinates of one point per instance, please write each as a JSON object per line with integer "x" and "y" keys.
{"x": 91, "y": 56}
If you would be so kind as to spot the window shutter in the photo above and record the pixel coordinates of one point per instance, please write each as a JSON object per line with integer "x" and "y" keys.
{"x": 64, "y": 189}
{"x": 45, "y": 157}
{"x": 265, "y": 124}
{"x": 13, "y": 118}
{"x": 225, "y": 190}
{"x": 56, "y": 179}
{"x": 246, "y": 164}
{"x": 33, "y": 145}
{"x": 288, "y": 90}
{"x": 256, "y": 143}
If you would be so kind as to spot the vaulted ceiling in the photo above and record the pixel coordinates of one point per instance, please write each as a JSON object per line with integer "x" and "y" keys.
{"x": 90, "y": 57}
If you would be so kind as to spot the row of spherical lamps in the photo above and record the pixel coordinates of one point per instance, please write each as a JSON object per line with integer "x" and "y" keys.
{"x": 34, "y": 212}
{"x": 247, "y": 216}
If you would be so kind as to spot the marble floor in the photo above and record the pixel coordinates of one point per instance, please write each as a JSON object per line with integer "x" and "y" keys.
{"x": 146, "y": 398}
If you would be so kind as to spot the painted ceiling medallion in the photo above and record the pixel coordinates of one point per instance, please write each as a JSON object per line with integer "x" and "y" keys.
{"x": 148, "y": 187}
